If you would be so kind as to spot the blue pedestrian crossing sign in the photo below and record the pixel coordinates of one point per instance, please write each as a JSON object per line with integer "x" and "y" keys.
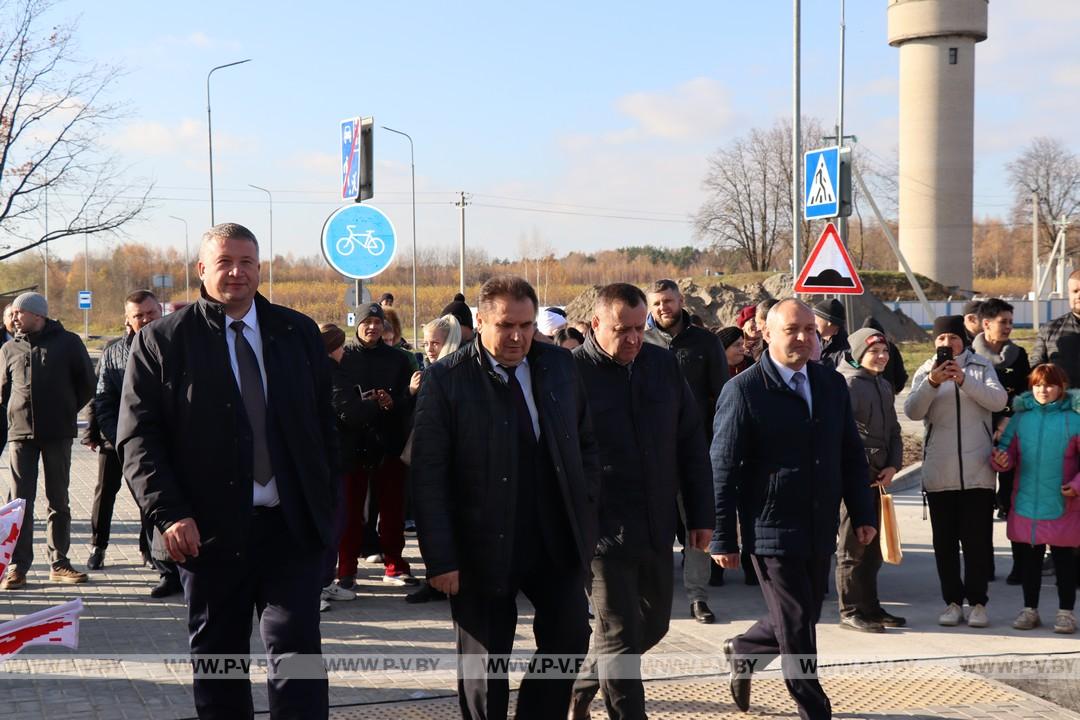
{"x": 359, "y": 241}
{"x": 822, "y": 198}
{"x": 85, "y": 299}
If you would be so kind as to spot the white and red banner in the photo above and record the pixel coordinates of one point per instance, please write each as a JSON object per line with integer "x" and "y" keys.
{"x": 52, "y": 626}
{"x": 11, "y": 520}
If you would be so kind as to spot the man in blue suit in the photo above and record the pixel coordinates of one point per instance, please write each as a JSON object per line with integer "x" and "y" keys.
{"x": 786, "y": 451}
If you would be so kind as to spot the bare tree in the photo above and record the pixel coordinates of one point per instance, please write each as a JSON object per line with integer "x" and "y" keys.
{"x": 747, "y": 194}
{"x": 53, "y": 112}
{"x": 1049, "y": 168}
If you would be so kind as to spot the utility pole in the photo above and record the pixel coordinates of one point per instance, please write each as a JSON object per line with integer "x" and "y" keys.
{"x": 842, "y": 227}
{"x": 461, "y": 204}
{"x": 86, "y": 270}
{"x": 46, "y": 190}
{"x": 796, "y": 141}
{"x": 1035, "y": 261}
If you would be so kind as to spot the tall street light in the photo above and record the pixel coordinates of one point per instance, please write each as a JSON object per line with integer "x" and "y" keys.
{"x": 271, "y": 236}
{"x": 187, "y": 261}
{"x": 210, "y": 132}
{"x": 412, "y": 165}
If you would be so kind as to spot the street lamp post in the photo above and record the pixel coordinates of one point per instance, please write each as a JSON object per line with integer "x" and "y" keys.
{"x": 210, "y": 132}
{"x": 271, "y": 197}
{"x": 412, "y": 165}
{"x": 187, "y": 261}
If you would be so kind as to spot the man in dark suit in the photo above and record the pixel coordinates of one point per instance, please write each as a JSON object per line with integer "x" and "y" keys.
{"x": 786, "y": 451}
{"x": 226, "y": 434}
{"x": 652, "y": 448}
{"x": 504, "y": 483}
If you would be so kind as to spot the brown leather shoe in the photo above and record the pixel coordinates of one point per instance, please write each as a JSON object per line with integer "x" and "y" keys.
{"x": 13, "y": 580}
{"x": 67, "y": 575}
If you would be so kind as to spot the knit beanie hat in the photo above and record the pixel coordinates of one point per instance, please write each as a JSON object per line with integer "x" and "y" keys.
{"x": 862, "y": 340}
{"x": 32, "y": 302}
{"x": 461, "y": 312}
{"x": 950, "y": 324}
{"x": 831, "y": 310}
{"x": 333, "y": 337}
{"x": 728, "y": 336}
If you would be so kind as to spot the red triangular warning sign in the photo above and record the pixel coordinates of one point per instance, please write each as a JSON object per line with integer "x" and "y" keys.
{"x": 829, "y": 270}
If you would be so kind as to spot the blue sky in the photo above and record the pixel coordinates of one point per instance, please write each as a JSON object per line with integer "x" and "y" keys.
{"x": 560, "y": 107}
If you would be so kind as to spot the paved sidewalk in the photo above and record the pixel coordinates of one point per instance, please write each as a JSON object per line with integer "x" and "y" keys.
{"x": 107, "y": 679}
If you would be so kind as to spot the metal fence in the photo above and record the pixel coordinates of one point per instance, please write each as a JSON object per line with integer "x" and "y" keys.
{"x": 1022, "y": 309}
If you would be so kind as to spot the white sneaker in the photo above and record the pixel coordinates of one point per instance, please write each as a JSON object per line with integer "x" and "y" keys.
{"x": 1065, "y": 622}
{"x": 376, "y": 559}
{"x": 952, "y": 616}
{"x": 400, "y": 579}
{"x": 333, "y": 591}
{"x": 323, "y": 606}
{"x": 1028, "y": 619}
{"x": 977, "y": 618}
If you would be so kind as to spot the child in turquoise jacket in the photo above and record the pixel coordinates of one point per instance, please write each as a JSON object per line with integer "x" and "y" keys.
{"x": 1042, "y": 442}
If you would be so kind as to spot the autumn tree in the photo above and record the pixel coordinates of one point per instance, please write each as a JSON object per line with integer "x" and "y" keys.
{"x": 54, "y": 110}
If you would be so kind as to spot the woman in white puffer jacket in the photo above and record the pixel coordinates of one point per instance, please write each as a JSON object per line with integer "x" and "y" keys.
{"x": 955, "y": 400}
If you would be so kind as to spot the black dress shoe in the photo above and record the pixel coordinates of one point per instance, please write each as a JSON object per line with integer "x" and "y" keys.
{"x": 740, "y": 686}
{"x": 858, "y": 622}
{"x": 166, "y": 586}
{"x": 700, "y": 611}
{"x": 426, "y": 593}
{"x": 889, "y": 620}
{"x": 96, "y": 561}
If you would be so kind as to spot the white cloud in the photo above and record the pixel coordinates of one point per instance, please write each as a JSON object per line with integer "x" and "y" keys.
{"x": 696, "y": 109}
{"x": 198, "y": 39}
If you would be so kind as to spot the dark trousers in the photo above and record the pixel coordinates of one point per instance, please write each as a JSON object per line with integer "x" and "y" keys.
{"x": 857, "y": 567}
{"x": 330, "y": 556}
{"x": 963, "y": 519}
{"x": 55, "y": 455}
{"x": 485, "y": 625}
{"x": 110, "y": 478}
{"x": 1031, "y": 561}
{"x": 281, "y": 583}
{"x": 631, "y": 594}
{"x": 389, "y": 480}
{"x": 794, "y": 588}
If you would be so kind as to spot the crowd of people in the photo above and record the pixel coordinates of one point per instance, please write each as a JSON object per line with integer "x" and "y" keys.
{"x": 534, "y": 455}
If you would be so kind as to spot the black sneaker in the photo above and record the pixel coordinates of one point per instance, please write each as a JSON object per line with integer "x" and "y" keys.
{"x": 96, "y": 561}
{"x": 426, "y": 593}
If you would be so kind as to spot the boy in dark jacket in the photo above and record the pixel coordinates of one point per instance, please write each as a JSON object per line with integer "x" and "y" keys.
{"x": 857, "y": 565}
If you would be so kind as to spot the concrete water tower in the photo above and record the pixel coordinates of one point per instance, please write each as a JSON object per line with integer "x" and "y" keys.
{"x": 937, "y": 118}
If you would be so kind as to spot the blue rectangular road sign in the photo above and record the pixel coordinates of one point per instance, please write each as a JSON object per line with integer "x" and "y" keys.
{"x": 822, "y": 186}
{"x": 85, "y": 299}
{"x": 350, "y": 158}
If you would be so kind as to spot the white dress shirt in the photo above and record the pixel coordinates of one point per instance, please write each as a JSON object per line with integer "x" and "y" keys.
{"x": 263, "y": 494}
{"x": 786, "y": 374}
{"x": 525, "y": 380}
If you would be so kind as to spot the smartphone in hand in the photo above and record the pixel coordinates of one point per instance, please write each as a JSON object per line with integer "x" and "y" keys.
{"x": 943, "y": 355}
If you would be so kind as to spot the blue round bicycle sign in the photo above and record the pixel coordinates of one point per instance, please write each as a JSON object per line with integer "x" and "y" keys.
{"x": 359, "y": 241}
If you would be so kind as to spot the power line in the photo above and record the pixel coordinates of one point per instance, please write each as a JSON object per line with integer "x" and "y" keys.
{"x": 581, "y": 214}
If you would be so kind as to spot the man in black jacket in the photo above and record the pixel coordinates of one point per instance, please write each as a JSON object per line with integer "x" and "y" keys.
{"x": 785, "y": 452}
{"x": 227, "y": 437}
{"x": 703, "y": 362}
{"x": 830, "y": 319}
{"x": 46, "y": 377}
{"x": 652, "y": 448}
{"x": 372, "y": 403}
{"x": 504, "y": 487}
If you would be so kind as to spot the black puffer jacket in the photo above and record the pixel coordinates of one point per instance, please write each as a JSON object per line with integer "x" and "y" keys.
{"x": 833, "y": 349}
{"x": 47, "y": 377}
{"x": 703, "y": 362}
{"x": 464, "y": 461}
{"x": 648, "y": 431}
{"x": 369, "y": 434}
{"x": 110, "y": 384}
{"x": 1059, "y": 343}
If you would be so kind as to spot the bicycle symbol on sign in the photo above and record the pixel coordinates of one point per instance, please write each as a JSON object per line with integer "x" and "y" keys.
{"x": 366, "y": 240}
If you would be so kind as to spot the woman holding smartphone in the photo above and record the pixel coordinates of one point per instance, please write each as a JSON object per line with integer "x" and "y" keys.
{"x": 955, "y": 394}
